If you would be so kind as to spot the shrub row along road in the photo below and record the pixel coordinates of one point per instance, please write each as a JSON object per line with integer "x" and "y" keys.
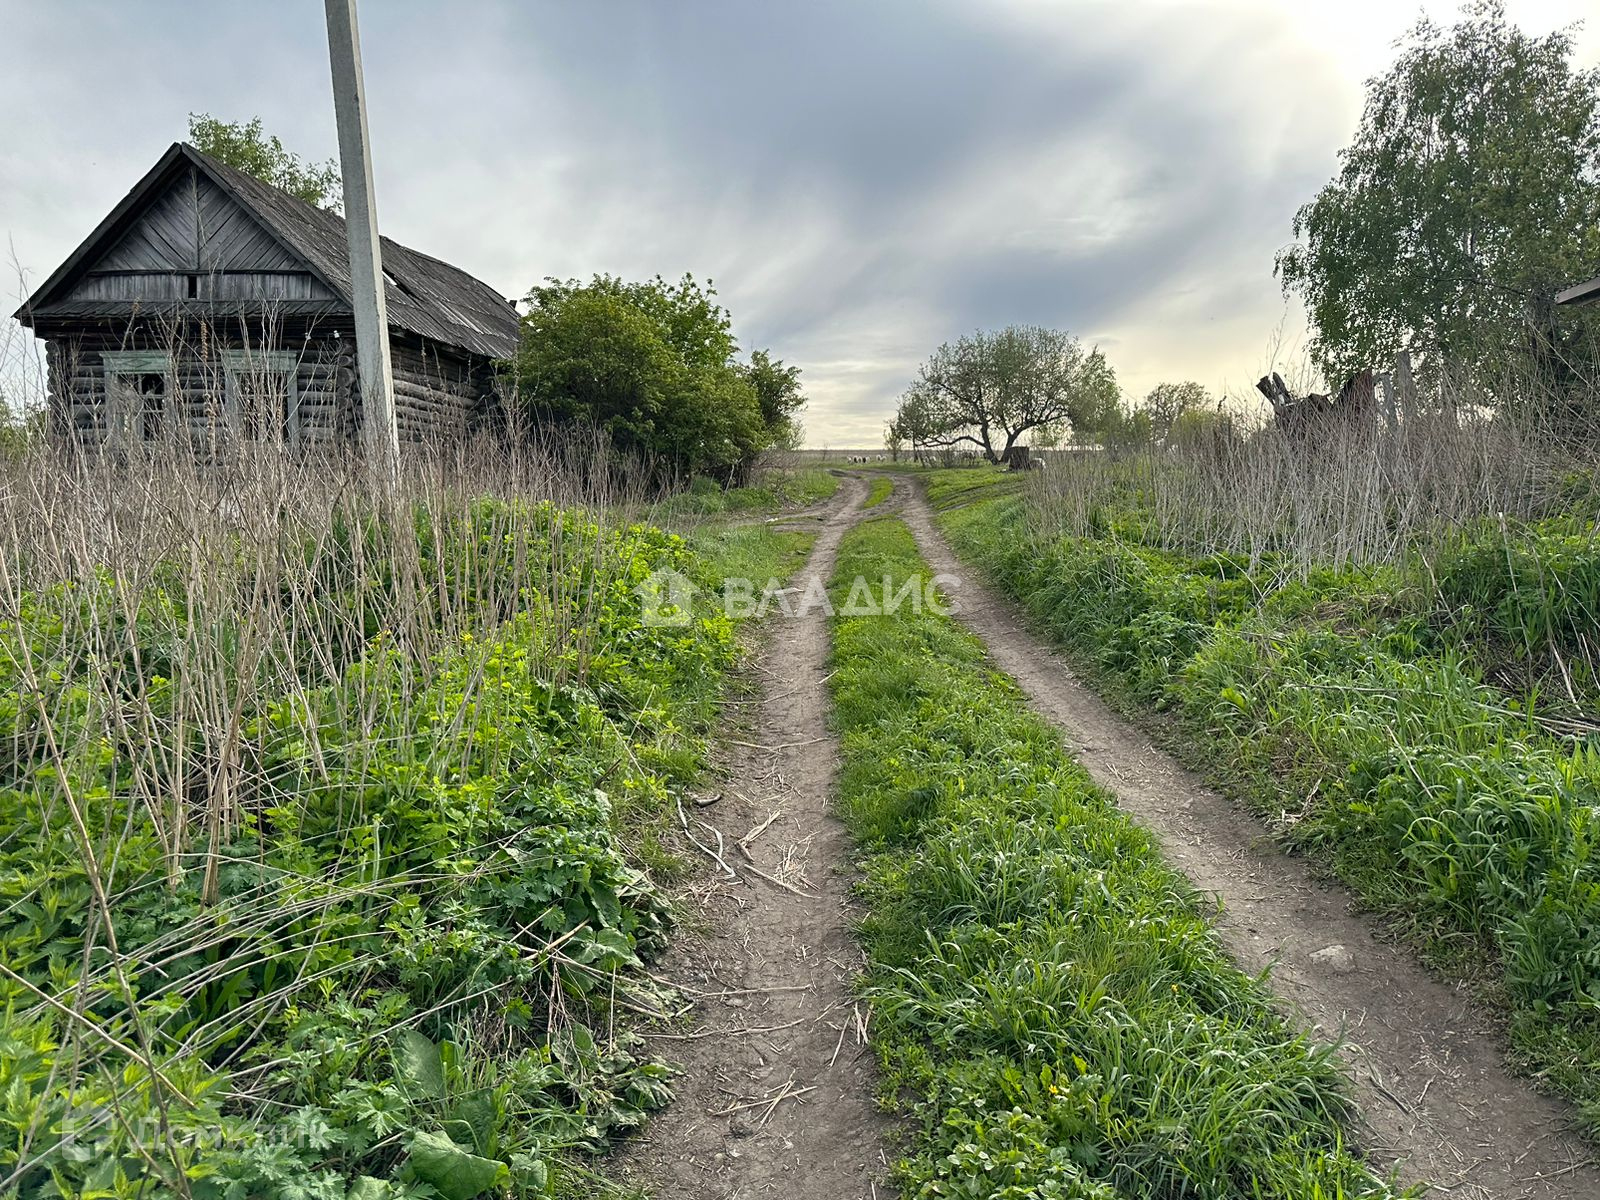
{"x": 1427, "y": 1067}
{"x": 776, "y": 1094}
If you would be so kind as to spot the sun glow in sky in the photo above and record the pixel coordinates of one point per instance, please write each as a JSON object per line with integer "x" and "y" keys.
{"x": 861, "y": 180}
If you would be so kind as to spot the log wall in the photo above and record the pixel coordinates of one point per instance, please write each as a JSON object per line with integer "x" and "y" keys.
{"x": 196, "y": 384}
{"x": 435, "y": 393}
{"x": 439, "y": 395}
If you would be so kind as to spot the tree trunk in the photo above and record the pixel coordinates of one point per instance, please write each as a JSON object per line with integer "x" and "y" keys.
{"x": 1011, "y": 441}
{"x": 988, "y": 446}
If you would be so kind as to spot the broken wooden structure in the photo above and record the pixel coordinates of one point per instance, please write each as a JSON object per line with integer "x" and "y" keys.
{"x": 1363, "y": 397}
{"x": 1300, "y": 416}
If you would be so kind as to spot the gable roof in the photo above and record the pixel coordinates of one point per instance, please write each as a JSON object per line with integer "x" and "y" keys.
{"x": 424, "y": 295}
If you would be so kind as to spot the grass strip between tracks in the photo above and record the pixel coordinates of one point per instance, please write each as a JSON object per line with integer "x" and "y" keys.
{"x": 1050, "y": 1004}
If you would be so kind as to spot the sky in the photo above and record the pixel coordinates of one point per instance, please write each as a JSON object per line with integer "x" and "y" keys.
{"x": 861, "y": 179}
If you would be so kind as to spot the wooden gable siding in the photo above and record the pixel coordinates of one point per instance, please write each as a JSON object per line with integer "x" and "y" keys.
{"x": 164, "y": 238}
{"x": 169, "y": 287}
{"x": 232, "y": 240}
{"x": 193, "y": 241}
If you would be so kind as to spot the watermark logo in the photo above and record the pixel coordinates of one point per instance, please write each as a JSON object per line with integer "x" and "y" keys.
{"x": 666, "y": 598}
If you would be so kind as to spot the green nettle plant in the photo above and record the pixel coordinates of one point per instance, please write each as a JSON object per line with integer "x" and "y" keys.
{"x": 314, "y": 880}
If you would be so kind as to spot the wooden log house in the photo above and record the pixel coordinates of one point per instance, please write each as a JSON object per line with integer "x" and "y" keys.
{"x": 213, "y": 306}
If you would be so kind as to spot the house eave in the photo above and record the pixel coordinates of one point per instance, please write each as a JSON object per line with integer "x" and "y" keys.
{"x": 1580, "y": 293}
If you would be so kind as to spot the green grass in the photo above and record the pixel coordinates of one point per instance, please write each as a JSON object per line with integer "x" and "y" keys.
{"x": 1352, "y": 709}
{"x": 754, "y": 552}
{"x": 952, "y": 485}
{"x": 750, "y": 550}
{"x": 882, "y": 488}
{"x": 773, "y": 490}
{"x": 427, "y": 915}
{"x": 1049, "y": 1002}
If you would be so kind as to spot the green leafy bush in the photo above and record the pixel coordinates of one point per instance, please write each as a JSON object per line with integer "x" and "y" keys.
{"x": 653, "y": 364}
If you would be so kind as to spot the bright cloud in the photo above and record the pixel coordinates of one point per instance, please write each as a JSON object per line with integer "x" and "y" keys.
{"x": 861, "y": 180}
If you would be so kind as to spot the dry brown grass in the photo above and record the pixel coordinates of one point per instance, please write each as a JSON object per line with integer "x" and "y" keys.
{"x": 1350, "y": 492}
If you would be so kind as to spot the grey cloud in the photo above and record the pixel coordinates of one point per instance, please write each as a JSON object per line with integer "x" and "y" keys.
{"x": 862, "y": 180}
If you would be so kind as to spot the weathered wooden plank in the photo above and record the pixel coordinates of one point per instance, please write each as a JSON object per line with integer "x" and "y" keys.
{"x": 163, "y": 238}
{"x": 142, "y": 249}
{"x": 152, "y": 285}
{"x": 171, "y": 220}
{"x": 259, "y": 285}
{"x": 241, "y": 244}
{"x": 246, "y": 246}
{"x": 231, "y": 239}
{"x": 216, "y": 235}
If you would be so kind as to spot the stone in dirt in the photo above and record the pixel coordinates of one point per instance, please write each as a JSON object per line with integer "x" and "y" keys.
{"x": 1336, "y": 958}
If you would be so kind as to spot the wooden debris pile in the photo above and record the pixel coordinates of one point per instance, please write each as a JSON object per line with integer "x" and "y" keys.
{"x": 1356, "y": 403}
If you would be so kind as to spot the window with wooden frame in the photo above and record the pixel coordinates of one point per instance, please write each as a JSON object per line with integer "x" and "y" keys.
{"x": 262, "y": 396}
{"x": 139, "y": 396}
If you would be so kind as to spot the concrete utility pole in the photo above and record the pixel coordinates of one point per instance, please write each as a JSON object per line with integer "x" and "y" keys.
{"x": 361, "y": 226}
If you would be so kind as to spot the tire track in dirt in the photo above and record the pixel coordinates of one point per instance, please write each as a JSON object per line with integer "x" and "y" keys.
{"x": 1437, "y": 1100}
{"x": 776, "y": 1092}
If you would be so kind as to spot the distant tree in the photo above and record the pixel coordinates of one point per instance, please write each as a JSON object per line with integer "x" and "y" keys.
{"x": 654, "y": 364}
{"x": 21, "y": 426}
{"x": 246, "y": 147}
{"x": 894, "y": 440}
{"x": 778, "y": 392}
{"x": 1127, "y": 428}
{"x": 989, "y": 389}
{"x": 1201, "y": 427}
{"x": 1166, "y": 403}
{"x": 913, "y": 423}
{"x": 1052, "y": 436}
{"x": 1471, "y": 189}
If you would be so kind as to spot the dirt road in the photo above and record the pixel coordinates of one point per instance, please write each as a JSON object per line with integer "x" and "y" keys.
{"x": 1428, "y": 1068}
{"x": 776, "y": 1094}
{"x": 775, "y": 1098}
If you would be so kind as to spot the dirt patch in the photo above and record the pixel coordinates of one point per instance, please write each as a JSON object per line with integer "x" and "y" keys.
{"x": 1438, "y": 1101}
{"x": 775, "y": 1095}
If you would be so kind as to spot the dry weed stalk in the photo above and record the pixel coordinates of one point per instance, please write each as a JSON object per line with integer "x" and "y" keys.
{"x": 1349, "y": 492}
{"x": 157, "y": 604}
